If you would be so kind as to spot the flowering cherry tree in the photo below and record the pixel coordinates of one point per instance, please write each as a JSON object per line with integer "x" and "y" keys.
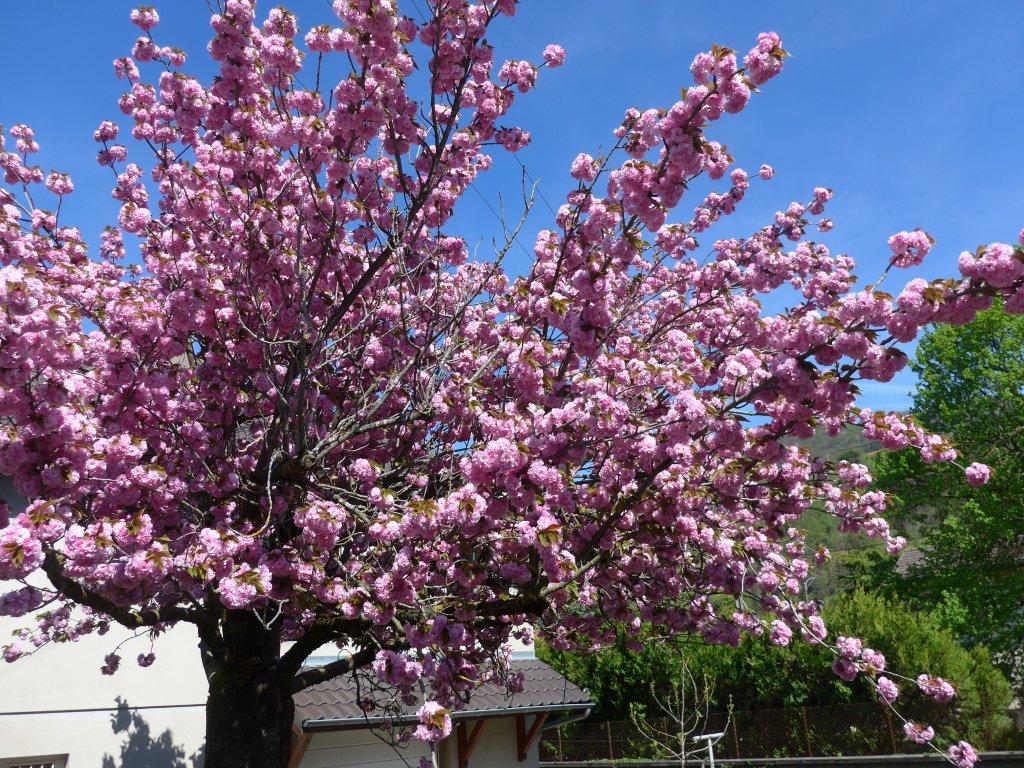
{"x": 281, "y": 402}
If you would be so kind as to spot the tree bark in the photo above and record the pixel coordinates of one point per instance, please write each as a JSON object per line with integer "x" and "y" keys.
{"x": 249, "y": 711}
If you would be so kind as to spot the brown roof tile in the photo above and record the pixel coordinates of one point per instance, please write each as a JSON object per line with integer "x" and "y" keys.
{"x": 333, "y": 703}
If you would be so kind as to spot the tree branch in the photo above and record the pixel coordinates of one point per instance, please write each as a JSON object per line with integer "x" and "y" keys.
{"x": 313, "y": 675}
{"x": 130, "y": 618}
{"x": 530, "y": 604}
{"x": 322, "y": 631}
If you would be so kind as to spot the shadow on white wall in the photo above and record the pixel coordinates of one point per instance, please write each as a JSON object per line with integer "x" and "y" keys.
{"x": 141, "y": 749}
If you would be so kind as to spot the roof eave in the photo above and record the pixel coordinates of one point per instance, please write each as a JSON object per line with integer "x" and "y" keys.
{"x": 349, "y": 723}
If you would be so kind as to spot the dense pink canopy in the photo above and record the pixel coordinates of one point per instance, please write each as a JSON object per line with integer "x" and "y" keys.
{"x": 304, "y": 398}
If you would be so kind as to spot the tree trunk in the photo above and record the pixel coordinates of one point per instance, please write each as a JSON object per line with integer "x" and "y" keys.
{"x": 249, "y": 712}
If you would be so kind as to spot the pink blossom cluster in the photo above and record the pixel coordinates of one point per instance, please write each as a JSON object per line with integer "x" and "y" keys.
{"x": 962, "y": 755}
{"x": 852, "y": 659}
{"x": 936, "y": 688}
{"x": 20, "y": 601}
{"x": 978, "y": 473}
{"x": 910, "y": 248}
{"x": 435, "y": 722}
{"x": 888, "y": 691}
{"x": 919, "y": 734}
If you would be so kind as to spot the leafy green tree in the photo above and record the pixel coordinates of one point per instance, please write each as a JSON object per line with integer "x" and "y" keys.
{"x": 758, "y": 675}
{"x": 622, "y": 676}
{"x": 971, "y": 390}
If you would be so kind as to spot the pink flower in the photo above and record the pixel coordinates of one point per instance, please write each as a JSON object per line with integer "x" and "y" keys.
{"x": 110, "y": 664}
{"x": 521, "y": 74}
{"x": 397, "y": 670}
{"x": 766, "y": 172}
{"x": 962, "y": 754}
{"x": 144, "y": 17}
{"x": 106, "y": 132}
{"x": 781, "y": 634}
{"x": 873, "y": 660}
{"x": 458, "y": 432}
{"x": 821, "y": 196}
{"x": 517, "y": 573}
{"x": 175, "y": 56}
{"x": 435, "y": 722}
{"x": 845, "y": 669}
{"x": 583, "y": 168}
{"x": 554, "y": 56}
{"x": 20, "y": 552}
{"x": 126, "y": 68}
{"x": 887, "y": 690}
{"x": 245, "y": 587}
{"x": 115, "y": 154}
{"x": 919, "y": 734}
{"x": 848, "y": 647}
{"x": 513, "y": 139}
{"x": 764, "y": 61}
{"x": 936, "y": 688}
{"x": 815, "y": 631}
{"x": 364, "y": 471}
{"x": 146, "y": 659}
{"x": 20, "y": 601}
{"x": 909, "y": 248}
{"x": 59, "y": 184}
{"x": 702, "y": 67}
{"x": 996, "y": 264}
{"x": 977, "y": 473}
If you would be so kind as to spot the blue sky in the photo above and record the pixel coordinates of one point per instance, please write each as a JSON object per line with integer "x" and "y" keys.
{"x": 911, "y": 111}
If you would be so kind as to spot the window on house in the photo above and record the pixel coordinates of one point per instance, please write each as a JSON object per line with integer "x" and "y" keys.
{"x": 34, "y": 762}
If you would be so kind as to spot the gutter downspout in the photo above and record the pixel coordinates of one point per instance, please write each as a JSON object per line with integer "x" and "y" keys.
{"x": 573, "y": 717}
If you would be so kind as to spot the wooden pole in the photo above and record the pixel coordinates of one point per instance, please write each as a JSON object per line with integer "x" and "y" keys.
{"x": 735, "y": 739}
{"x": 807, "y": 731}
{"x": 892, "y": 732}
{"x": 300, "y": 742}
{"x": 525, "y": 738}
{"x": 520, "y": 735}
{"x": 608, "y": 731}
{"x": 467, "y": 742}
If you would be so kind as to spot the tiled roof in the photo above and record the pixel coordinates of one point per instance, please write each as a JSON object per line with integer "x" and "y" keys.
{"x": 333, "y": 703}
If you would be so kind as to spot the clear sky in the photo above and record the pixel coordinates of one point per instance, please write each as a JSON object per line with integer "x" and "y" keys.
{"x": 912, "y": 111}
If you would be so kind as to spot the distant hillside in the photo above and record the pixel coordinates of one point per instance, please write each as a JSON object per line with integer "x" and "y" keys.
{"x": 848, "y": 445}
{"x": 822, "y": 529}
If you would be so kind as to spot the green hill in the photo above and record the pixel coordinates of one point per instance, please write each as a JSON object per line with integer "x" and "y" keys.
{"x": 822, "y": 529}
{"x": 848, "y": 445}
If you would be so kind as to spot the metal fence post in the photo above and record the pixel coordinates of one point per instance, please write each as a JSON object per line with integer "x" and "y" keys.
{"x": 892, "y": 733}
{"x": 807, "y": 731}
{"x": 608, "y": 730}
{"x": 735, "y": 738}
{"x": 558, "y": 732}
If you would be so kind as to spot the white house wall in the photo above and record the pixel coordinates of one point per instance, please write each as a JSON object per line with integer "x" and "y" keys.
{"x": 339, "y": 749}
{"x": 496, "y": 748}
{"x": 57, "y": 702}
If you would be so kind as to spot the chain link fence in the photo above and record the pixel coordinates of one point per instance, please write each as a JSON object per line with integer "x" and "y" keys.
{"x": 830, "y": 731}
